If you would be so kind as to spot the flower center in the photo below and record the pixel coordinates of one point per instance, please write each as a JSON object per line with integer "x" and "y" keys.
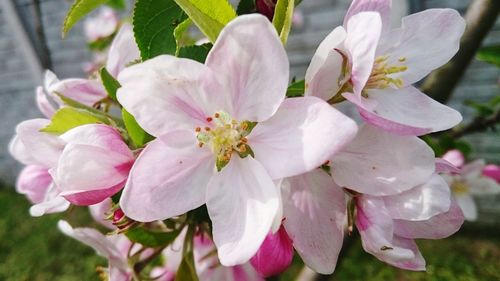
{"x": 226, "y": 136}
{"x": 459, "y": 187}
{"x": 380, "y": 77}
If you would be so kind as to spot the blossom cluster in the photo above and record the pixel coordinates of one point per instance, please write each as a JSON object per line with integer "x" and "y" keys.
{"x": 236, "y": 174}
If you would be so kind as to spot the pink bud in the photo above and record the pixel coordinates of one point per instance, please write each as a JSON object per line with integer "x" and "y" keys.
{"x": 274, "y": 255}
{"x": 455, "y": 157}
{"x": 492, "y": 171}
{"x": 266, "y": 7}
{"x": 118, "y": 215}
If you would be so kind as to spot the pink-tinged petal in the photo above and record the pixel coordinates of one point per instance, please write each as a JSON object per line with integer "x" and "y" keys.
{"x": 482, "y": 186}
{"x": 408, "y": 111}
{"x": 168, "y": 93}
{"x": 492, "y": 171}
{"x": 43, "y": 103}
{"x": 324, "y": 74}
{"x": 473, "y": 170}
{"x": 123, "y": 50}
{"x": 34, "y": 182}
{"x": 417, "y": 263}
{"x": 19, "y": 151}
{"x": 315, "y": 215}
{"x": 274, "y": 255}
{"x": 99, "y": 135}
{"x": 242, "y": 202}
{"x": 100, "y": 211}
{"x": 168, "y": 179}
{"x": 250, "y": 61}
{"x": 443, "y": 166}
{"x": 421, "y": 202}
{"x": 455, "y": 157}
{"x": 468, "y": 206}
{"x": 379, "y": 163}
{"x": 51, "y": 203}
{"x": 287, "y": 148}
{"x": 90, "y": 168}
{"x": 49, "y": 79}
{"x": 91, "y": 197}
{"x": 102, "y": 25}
{"x": 84, "y": 91}
{"x": 426, "y": 40}
{"x": 376, "y": 229}
{"x": 437, "y": 227}
{"x": 363, "y": 34}
{"x": 383, "y": 7}
{"x": 117, "y": 274}
{"x": 98, "y": 241}
{"x": 44, "y": 148}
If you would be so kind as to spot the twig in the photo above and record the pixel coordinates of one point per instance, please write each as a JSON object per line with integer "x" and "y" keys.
{"x": 479, "y": 124}
{"x": 44, "y": 52}
{"x": 480, "y": 18}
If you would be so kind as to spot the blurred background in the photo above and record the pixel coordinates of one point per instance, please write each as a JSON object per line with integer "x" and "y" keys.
{"x": 32, "y": 248}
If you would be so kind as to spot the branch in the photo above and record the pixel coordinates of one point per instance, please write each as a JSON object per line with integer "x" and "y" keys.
{"x": 40, "y": 33}
{"x": 479, "y": 124}
{"x": 480, "y": 18}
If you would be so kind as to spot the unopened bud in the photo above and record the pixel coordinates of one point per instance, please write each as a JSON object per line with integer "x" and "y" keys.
{"x": 266, "y": 7}
{"x": 274, "y": 255}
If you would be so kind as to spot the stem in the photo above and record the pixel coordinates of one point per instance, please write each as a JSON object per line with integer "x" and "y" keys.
{"x": 479, "y": 124}
{"x": 40, "y": 33}
{"x": 480, "y": 18}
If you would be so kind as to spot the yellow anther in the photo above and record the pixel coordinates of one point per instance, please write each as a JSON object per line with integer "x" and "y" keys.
{"x": 402, "y": 59}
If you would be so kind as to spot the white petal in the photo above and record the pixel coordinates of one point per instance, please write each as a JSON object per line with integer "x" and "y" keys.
{"x": 468, "y": 206}
{"x": 242, "y": 202}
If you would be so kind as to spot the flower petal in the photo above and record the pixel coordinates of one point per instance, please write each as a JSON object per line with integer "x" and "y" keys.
{"x": 468, "y": 206}
{"x": 43, "y": 103}
{"x": 443, "y": 166}
{"x": 324, "y": 72}
{"x": 168, "y": 93}
{"x": 426, "y": 41}
{"x": 43, "y": 148}
{"x": 315, "y": 215}
{"x": 300, "y": 137}
{"x": 417, "y": 263}
{"x": 421, "y": 202}
{"x": 168, "y": 179}
{"x": 85, "y": 91}
{"x": 437, "y": 227}
{"x": 379, "y": 163}
{"x": 455, "y": 157}
{"x": 363, "y": 34}
{"x": 274, "y": 255}
{"x": 408, "y": 111}
{"x": 98, "y": 212}
{"x": 19, "y": 151}
{"x": 383, "y": 7}
{"x": 51, "y": 203}
{"x": 252, "y": 64}
{"x": 122, "y": 51}
{"x": 482, "y": 186}
{"x": 34, "y": 182}
{"x": 242, "y": 202}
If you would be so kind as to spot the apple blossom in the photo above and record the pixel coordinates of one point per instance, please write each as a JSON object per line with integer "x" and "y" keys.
{"x": 468, "y": 182}
{"x": 102, "y": 25}
{"x": 374, "y": 67}
{"x": 224, "y": 133}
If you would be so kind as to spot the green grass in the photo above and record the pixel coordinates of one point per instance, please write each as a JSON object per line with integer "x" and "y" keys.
{"x": 33, "y": 249}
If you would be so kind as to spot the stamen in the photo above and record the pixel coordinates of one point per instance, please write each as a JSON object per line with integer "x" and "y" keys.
{"x": 380, "y": 76}
{"x": 209, "y": 119}
{"x": 197, "y": 129}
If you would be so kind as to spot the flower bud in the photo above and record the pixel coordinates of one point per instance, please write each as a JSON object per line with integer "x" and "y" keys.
{"x": 266, "y": 7}
{"x": 492, "y": 171}
{"x": 274, "y": 255}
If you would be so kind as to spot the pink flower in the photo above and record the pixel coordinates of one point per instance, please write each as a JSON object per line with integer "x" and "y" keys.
{"x": 274, "y": 255}
{"x": 468, "y": 182}
{"x": 207, "y": 149}
{"x": 374, "y": 67}
{"x": 102, "y": 25}
{"x": 388, "y": 225}
{"x": 492, "y": 171}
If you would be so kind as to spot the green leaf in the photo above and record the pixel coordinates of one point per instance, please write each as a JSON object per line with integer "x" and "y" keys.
{"x": 68, "y": 118}
{"x": 117, "y": 4}
{"x": 154, "y": 25}
{"x": 296, "y": 89}
{"x": 282, "y": 20}
{"x": 490, "y": 54}
{"x": 186, "y": 271}
{"x": 151, "y": 237}
{"x": 138, "y": 136}
{"x": 245, "y": 7}
{"x": 77, "y": 11}
{"x": 209, "y": 15}
{"x": 110, "y": 83}
{"x": 197, "y": 53}
{"x": 181, "y": 38}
